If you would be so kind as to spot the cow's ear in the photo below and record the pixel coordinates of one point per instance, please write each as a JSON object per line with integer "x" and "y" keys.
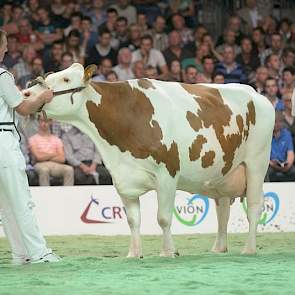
{"x": 88, "y": 72}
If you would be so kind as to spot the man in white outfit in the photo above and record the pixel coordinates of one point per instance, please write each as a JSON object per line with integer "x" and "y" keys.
{"x": 25, "y": 239}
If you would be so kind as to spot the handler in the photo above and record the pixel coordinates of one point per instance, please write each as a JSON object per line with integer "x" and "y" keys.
{"x": 25, "y": 239}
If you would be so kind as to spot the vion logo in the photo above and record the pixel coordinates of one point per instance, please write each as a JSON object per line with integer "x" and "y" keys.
{"x": 95, "y": 213}
{"x": 270, "y": 209}
{"x": 192, "y": 211}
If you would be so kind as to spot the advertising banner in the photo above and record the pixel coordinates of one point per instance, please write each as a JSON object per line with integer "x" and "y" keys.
{"x": 98, "y": 210}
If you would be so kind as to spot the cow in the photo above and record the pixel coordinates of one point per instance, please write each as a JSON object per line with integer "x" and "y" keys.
{"x": 210, "y": 139}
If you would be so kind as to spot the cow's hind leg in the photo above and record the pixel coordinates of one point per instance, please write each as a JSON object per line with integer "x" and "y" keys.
{"x": 222, "y": 211}
{"x": 132, "y": 207}
{"x": 255, "y": 200}
{"x": 166, "y": 198}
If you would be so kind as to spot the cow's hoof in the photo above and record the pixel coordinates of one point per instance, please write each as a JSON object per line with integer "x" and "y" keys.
{"x": 247, "y": 251}
{"x": 219, "y": 250}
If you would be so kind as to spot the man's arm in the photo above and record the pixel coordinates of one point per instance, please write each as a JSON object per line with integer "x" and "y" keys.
{"x": 60, "y": 154}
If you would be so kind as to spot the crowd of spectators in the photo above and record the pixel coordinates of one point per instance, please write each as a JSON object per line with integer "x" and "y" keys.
{"x": 134, "y": 39}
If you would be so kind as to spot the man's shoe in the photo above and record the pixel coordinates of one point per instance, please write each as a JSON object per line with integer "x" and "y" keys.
{"x": 49, "y": 257}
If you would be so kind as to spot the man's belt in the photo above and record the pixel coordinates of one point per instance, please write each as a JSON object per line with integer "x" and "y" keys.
{"x": 5, "y": 130}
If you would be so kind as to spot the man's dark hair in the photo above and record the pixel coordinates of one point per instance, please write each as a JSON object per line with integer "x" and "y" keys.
{"x": 289, "y": 69}
{"x": 112, "y": 10}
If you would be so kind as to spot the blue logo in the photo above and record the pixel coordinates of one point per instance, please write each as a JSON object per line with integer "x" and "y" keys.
{"x": 193, "y": 212}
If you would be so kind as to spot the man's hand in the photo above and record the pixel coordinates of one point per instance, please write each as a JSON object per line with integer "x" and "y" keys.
{"x": 85, "y": 168}
{"x": 47, "y": 95}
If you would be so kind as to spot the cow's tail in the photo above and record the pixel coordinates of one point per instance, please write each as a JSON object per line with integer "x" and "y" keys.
{"x": 293, "y": 103}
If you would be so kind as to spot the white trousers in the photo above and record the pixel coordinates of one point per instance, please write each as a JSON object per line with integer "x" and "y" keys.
{"x": 20, "y": 226}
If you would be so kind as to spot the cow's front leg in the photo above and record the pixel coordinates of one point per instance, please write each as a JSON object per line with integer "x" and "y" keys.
{"x": 255, "y": 201}
{"x": 132, "y": 207}
{"x": 222, "y": 211}
{"x": 166, "y": 197}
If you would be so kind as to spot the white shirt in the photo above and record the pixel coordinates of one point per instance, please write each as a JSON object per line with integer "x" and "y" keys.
{"x": 156, "y": 58}
{"x": 123, "y": 73}
{"x": 10, "y": 96}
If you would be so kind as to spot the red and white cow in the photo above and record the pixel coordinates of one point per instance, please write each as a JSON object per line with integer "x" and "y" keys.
{"x": 154, "y": 135}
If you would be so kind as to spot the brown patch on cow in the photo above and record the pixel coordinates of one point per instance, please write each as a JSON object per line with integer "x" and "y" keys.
{"x": 196, "y": 148}
{"x": 124, "y": 119}
{"x": 145, "y": 83}
{"x": 215, "y": 113}
{"x": 208, "y": 159}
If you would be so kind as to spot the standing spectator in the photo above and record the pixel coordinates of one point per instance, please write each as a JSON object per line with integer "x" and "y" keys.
{"x": 138, "y": 69}
{"x": 82, "y": 154}
{"x": 232, "y": 71}
{"x": 48, "y": 153}
{"x": 160, "y": 38}
{"x": 288, "y": 79}
{"x": 37, "y": 70}
{"x": 74, "y": 46}
{"x": 175, "y": 51}
{"x": 125, "y": 9}
{"x": 247, "y": 59}
{"x": 276, "y": 47}
{"x": 250, "y": 16}
{"x": 175, "y": 73}
{"x": 52, "y": 58}
{"x": 13, "y": 54}
{"x": 104, "y": 68}
{"x": 150, "y": 56}
{"x": 102, "y": 50}
{"x": 24, "y": 65}
{"x": 178, "y": 24}
{"x": 258, "y": 82}
{"x": 273, "y": 65}
{"x": 271, "y": 92}
{"x": 123, "y": 69}
{"x": 281, "y": 166}
{"x": 190, "y": 74}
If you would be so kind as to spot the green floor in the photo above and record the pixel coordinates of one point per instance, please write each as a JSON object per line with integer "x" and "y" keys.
{"x": 96, "y": 265}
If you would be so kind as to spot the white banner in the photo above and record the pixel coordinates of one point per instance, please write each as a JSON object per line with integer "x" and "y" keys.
{"x": 98, "y": 210}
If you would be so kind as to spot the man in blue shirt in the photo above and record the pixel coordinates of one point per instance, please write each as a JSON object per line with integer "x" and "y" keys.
{"x": 281, "y": 166}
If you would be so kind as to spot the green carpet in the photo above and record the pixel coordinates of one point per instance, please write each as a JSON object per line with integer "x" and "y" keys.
{"x": 97, "y": 265}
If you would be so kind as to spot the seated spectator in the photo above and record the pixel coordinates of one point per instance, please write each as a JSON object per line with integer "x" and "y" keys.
{"x": 207, "y": 39}
{"x": 142, "y": 23}
{"x": 37, "y": 70}
{"x": 104, "y": 68}
{"x": 232, "y": 71}
{"x": 229, "y": 37}
{"x": 208, "y": 70}
{"x": 288, "y": 56}
{"x": 150, "y": 56}
{"x": 288, "y": 79}
{"x": 258, "y": 81}
{"x": 178, "y": 24}
{"x": 273, "y": 65}
{"x": 121, "y": 33}
{"x": 66, "y": 60}
{"x": 48, "y": 154}
{"x": 125, "y": 9}
{"x": 259, "y": 45}
{"x": 160, "y": 38}
{"x": 13, "y": 54}
{"x": 112, "y": 76}
{"x": 89, "y": 36}
{"x": 75, "y": 23}
{"x": 200, "y": 32}
{"x": 196, "y": 61}
{"x": 175, "y": 51}
{"x": 133, "y": 42}
{"x": 275, "y": 48}
{"x": 288, "y": 119}
{"x": 151, "y": 72}
{"x": 186, "y": 8}
{"x": 124, "y": 69}
{"x": 190, "y": 74}
{"x": 82, "y": 154}
{"x": 175, "y": 73}
{"x": 281, "y": 166}
{"x": 17, "y": 13}
{"x": 147, "y": 8}
{"x": 247, "y": 59}
{"x": 97, "y": 13}
{"x": 218, "y": 78}
{"x": 75, "y": 47}
{"x": 138, "y": 69}
{"x": 271, "y": 92}
{"x": 102, "y": 50}
{"x": 52, "y": 58}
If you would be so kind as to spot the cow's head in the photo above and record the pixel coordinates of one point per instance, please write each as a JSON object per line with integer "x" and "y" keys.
{"x": 69, "y": 87}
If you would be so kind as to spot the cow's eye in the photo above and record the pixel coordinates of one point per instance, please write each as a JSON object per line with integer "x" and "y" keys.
{"x": 66, "y": 80}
